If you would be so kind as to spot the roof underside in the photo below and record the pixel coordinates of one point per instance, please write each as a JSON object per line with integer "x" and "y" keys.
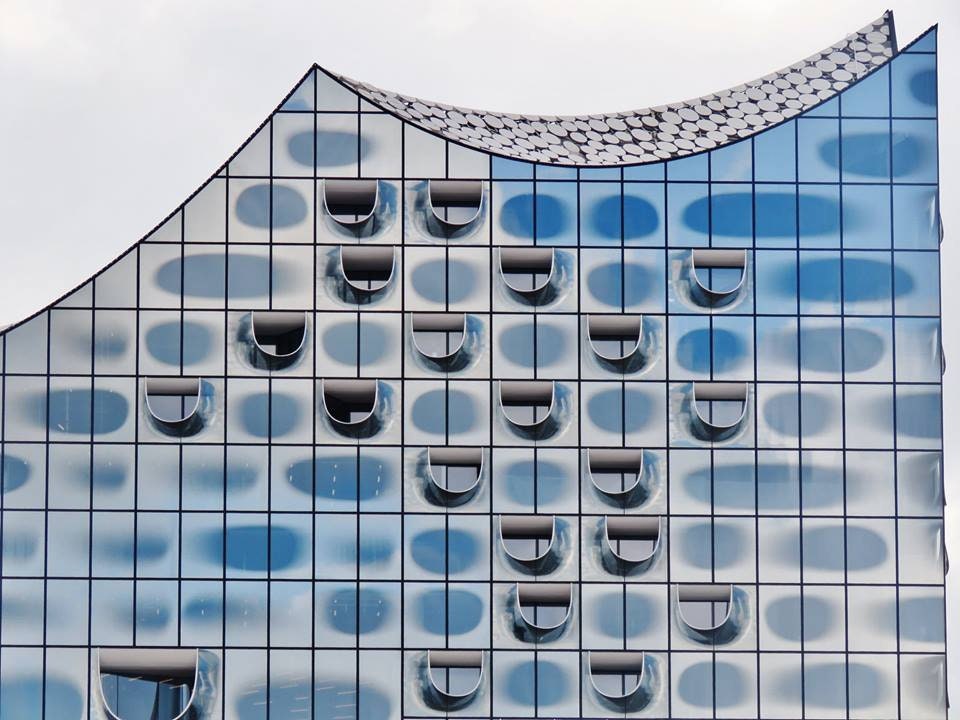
{"x": 658, "y": 133}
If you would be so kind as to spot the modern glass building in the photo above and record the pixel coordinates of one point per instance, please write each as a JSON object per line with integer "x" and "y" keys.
{"x": 414, "y": 411}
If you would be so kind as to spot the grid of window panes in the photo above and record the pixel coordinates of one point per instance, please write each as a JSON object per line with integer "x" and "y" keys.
{"x": 312, "y": 566}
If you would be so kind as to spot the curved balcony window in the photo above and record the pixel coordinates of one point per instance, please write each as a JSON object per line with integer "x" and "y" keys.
{"x": 620, "y": 679}
{"x": 175, "y": 404}
{"x": 530, "y": 408}
{"x": 616, "y": 341}
{"x": 351, "y": 406}
{"x": 149, "y": 684}
{"x": 531, "y": 543}
{"x": 453, "y": 474}
{"x": 530, "y": 274}
{"x": 618, "y": 476}
{"x": 719, "y": 410}
{"x": 352, "y": 205}
{"x": 455, "y": 206}
{"x": 453, "y": 678}
{"x": 542, "y": 610}
{"x": 630, "y": 544}
{"x": 711, "y": 614}
{"x": 279, "y": 338}
{"x": 717, "y": 276}
{"x": 366, "y": 270}
{"x": 440, "y": 340}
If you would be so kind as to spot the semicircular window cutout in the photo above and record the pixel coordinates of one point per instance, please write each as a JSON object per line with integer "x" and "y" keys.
{"x": 454, "y": 205}
{"x": 615, "y": 340}
{"x": 544, "y": 609}
{"x": 439, "y": 338}
{"x": 528, "y": 405}
{"x": 352, "y": 204}
{"x": 174, "y": 404}
{"x": 367, "y": 268}
{"x": 619, "y": 679}
{"x": 454, "y": 678}
{"x": 530, "y": 542}
{"x": 454, "y": 474}
{"x": 709, "y": 613}
{"x": 351, "y": 405}
{"x": 148, "y": 683}
{"x": 279, "y": 337}
{"x": 631, "y": 543}
{"x": 719, "y": 409}
{"x": 717, "y": 276}
{"x": 618, "y": 475}
{"x": 529, "y": 273}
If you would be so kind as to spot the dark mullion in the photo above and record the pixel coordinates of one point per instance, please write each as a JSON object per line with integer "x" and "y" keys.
{"x": 893, "y": 387}
{"x": 756, "y": 424}
{"x": 801, "y": 509}
{"x": 843, "y": 414}
{"x": 490, "y": 394}
{"x": 667, "y": 439}
{"x": 225, "y": 454}
{"x": 313, "y": 451}
{"x": 403, "y": 389}
{"x": 3, "y": 471}
{"x": 46, "y": 521}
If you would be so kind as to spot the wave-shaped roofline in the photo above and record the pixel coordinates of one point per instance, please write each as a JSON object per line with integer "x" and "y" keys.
{"x": 886, "y": 18}
{"x": 653, "y": 134}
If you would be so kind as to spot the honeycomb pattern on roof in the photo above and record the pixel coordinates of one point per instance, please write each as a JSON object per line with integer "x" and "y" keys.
{"x": 658, "y": 133}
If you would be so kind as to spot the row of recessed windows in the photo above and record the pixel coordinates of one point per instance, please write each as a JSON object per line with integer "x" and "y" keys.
{"x": 533, "y": 409}
{"x": 176, "y": 683}
{"x": 537, "y": 276}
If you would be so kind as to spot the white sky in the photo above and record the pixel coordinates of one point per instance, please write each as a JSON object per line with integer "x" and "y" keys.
{"x": 112, "y": 112}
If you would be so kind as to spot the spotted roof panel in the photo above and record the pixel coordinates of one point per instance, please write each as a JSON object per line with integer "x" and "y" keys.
{"x": 658, "y": 133}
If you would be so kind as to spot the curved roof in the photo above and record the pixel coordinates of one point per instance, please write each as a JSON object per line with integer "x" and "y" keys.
{"x": 657, "y": 133}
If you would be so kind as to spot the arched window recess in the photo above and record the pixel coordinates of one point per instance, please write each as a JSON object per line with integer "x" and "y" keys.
{"x": 453, "y": 474}
{"x": 711, "y": 614}
{"x": 352, "y": 205}
{"x": 542, "y": 610}
{"x": 279, "y": 338}
{"x": 531, "y": 543}
{"x": 530, "y": 407}
{"x": 531, "y": 275}
{"x": 620, "y": 679}
{"x": 717, "y": 276}
{"x": 453, "y": 678}
{"x": 619, "y": 476}
{"x": 366, "y": 271}
{"x": 617, "y": 341}
{"x": 175, "y": 404}
{"x": 149, "y": 683}
{"x": 351, "y": 406}
{"x": 455, "y": 206}
{"x": 630, "y": 543}
{"x": 441, "y": 340}
{"x": 719, "y": 409}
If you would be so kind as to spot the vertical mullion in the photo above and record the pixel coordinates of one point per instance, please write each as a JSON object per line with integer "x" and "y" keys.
{"x": 667, "y": 438}
{"x": 269, "y": 448}
{"x": 893, "y": 386}
{"x": 756, "y": 424}
{"x": 313, "y": 448}
{"x": 843, "y": 409}
{"x": 225, "y": 455}
{"x": 403, "y": 389}
{"x": 799, "y": 384}
{"x": 46, "y": 521}
{"x": 491, "y": 402}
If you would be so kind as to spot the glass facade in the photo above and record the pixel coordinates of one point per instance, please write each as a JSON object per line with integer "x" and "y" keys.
{"x": 381, "y": 425}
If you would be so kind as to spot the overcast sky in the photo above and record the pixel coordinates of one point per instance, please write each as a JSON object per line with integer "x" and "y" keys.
{"x": 113, "y": 112}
